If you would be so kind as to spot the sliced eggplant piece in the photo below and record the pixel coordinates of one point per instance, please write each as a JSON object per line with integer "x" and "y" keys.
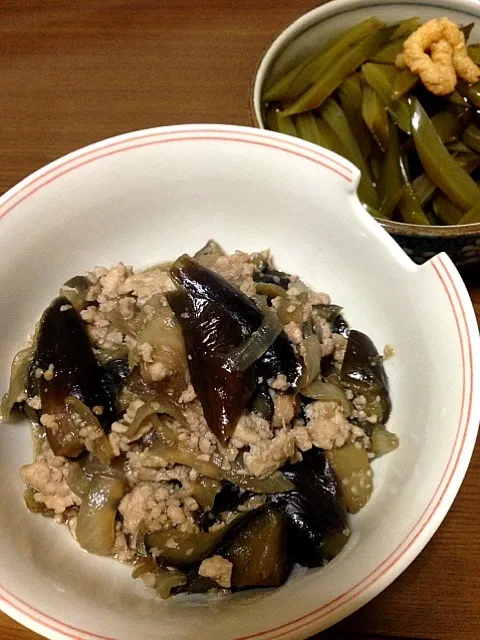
{"x": 209, "y": 253}
{"x": 197, "y": 584}
{"x": 363, "y": 372}
{"x": 352, "y": 468}
{"x": 67, "y": 366}
{"x": 228, "y": 498}
{"x": 317, "y": 524}
{"x": 209, "y": 332}
{"x": 261, "y": 401}
{"x": 257, "y": 549}
{"x": 95, "y": 530}
{"x": 113, "y": 377}
{"x": 183, "y": 550}
{"x": 328, "y": 312}
{"x": 383, "y": 441}
{"x": 272, "y": 276}
{"x": 76, "y": 290}
{"x": 204, "y": 283}
{"x": 340, "y": 326}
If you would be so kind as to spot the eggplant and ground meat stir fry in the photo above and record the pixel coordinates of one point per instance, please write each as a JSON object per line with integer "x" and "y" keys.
{"x": 211, "y": 420}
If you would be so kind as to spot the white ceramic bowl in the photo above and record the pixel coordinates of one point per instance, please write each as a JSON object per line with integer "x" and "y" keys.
{"x": 150, "y": 195}
{"x": 303, "y": 37}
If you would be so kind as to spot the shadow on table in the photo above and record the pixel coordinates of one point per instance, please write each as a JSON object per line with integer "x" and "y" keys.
{"x": 470, "y": 275}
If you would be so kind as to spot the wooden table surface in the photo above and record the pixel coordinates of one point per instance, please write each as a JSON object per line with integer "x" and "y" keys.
{"x": 74, "y": 72}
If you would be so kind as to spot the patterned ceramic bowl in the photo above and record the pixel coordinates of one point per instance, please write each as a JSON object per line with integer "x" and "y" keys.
{"x": 300, "y": 39}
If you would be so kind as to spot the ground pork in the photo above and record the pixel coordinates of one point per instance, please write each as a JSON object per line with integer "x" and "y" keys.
{"x": 47, "y": 477}
{"x": 327, "y": 425}
{"x": 218, "y": 569}
{"x": 235, "y": 267}
{"x": 269, "y": 455}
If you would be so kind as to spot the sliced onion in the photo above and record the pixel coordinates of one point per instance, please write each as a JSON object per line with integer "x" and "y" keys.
{"x": 78, "y": 481}
{"x": 328, "y": 312}
{"x": 209, "y": 254}
{"x": 180, "y": 549}
{"x": 80, "y": 417}
{"x": 18, "y": 380}
{"x": 119, "y": 323}
{"x": 180, "y": 455}
{"x": 289, "y": 311}
{"x": 383, "y": 441}
{"x": 95, "y": 530}
{"x": 275, "y": 483}
{"x": 145, "y": 565}
{"x": 319, "y": 390}
{"x": 150, "y": 408}
{"x": 75, "y": 290}
{"x": 168, "y": 579}
{"x": 205, "y": 490}
{"x": 36, "y": 507}
{"x": 256, "y": 344}
{"x": 163, "y": 333}
{"x": 311, "y": 351}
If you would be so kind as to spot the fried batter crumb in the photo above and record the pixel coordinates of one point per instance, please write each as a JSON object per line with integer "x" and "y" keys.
{"x": 448, "y": 59}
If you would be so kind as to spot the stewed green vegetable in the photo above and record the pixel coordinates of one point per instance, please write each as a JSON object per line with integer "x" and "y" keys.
{"x": 418, "y": 153}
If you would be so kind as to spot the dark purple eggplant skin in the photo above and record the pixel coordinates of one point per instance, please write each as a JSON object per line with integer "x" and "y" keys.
{"x": 341, "y": 326}
{"x": 315, "y": 510}
{"x": 272, "y": 276}
{"x": 257, "y": 548}
{"x": 64, "y": 343}
{"x": 113, "y": 378}
{"x": 261, "y": 401}
{"x": 228, "y": 498}
{"x": 363, "y": 367}
{"x": 210, "y": 332}
{"x": 204, "y": 283}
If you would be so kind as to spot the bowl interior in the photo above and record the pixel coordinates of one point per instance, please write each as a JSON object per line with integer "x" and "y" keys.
{"x": 149, "y": 196}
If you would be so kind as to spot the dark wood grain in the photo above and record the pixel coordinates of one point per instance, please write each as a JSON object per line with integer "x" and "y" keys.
{"x": 72, "y": 73}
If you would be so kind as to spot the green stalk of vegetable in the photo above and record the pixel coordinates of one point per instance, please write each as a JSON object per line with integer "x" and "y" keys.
{"x": 375, "y": 213}
{"x": 390, "y": 182}
{"x": 424, "y": 188}
{"x": 469, "y": 91}
{"x": 388, "y": 54}
{"x": 277, "y": 91}
{"x": 329, "y": 138}
{"x": 474, "y": 52}
{"x": 403, "y": 83}
{"x": 409, "y": 205}
{"x": 376, "y": 159}
{"x": 446, "y": 210}
{"x": 334, "y": 116}
{"x": 321, "y": 62}
{"x": 375, "y": 116}
{"x": 282, "y": 124}
{"x": 448, "y": 124}
{"x": 456, "y": 147}
{"x": 333, "y": 77}
{"x": 406, "y": 27}
{"x": 471, "y": 137}
{"x": 307, "y": 127}
{"x": 472, "y": 216}
{"x": 381, "y": 78}
{"x": 350, "y": 94}
{"x": 441, "y": 167}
